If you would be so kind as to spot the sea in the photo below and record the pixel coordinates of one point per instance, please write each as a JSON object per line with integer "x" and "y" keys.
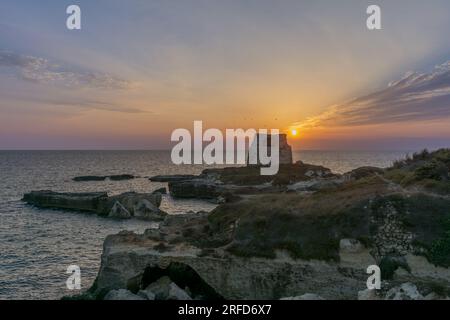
{"x": 38, "y": 245}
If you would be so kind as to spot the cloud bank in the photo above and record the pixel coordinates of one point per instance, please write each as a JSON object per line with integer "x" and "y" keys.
{"x": 415, "y": 97}
{"x": 41, "y": 70}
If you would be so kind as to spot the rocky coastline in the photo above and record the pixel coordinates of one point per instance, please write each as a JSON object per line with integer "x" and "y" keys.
{"x": 304, "y": 234}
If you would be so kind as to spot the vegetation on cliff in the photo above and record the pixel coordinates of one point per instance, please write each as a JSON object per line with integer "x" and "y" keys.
{"x": 424, "y": 170}
{"x": 398, "y": 211}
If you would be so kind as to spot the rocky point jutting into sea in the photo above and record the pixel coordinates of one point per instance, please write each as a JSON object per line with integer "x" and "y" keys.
{"x": 305, "y": 233}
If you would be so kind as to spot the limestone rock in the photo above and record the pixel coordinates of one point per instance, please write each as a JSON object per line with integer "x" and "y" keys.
{"x": 122, "y": 294}
{"x": 119, "y": 211}
{"x": 130, "y": 199}
{"x": 88, "y": 201}
{"x": 160, "y": 288}
{"x": 406, "y": 291}
{"x": 176, "y": 293}
{"x": 165, "y": 289}
{"x": 144, "y": 209}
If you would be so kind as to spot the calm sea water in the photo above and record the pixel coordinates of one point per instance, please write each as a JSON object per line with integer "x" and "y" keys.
{"x": 37, "y": 246}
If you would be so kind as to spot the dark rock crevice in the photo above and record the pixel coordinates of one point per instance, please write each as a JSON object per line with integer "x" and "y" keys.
{"x": 184, "y": 277}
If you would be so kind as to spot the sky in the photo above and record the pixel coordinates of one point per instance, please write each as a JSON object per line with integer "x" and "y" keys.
{"x": 137, "y": 70}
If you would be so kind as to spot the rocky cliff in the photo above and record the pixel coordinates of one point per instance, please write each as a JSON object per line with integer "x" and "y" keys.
{"x": 269, "y": 246}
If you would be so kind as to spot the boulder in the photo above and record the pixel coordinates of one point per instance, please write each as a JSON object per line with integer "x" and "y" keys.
{"x": 160, "y": 288}
{"x": 130, "y": 199}
{"x": 144, "y": 209}
{"x": 165, "y": 289}
{"x": 118, "y": 211}
{"x": 122, "y": 294}
{"x": 406, "y": 291}
{"x": 146, "y": 294}
{"x": 176, "y": 293}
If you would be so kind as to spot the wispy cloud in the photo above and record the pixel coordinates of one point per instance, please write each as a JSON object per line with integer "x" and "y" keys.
{"x": 415, "y": 97}
{"x": 90, "y": 105}
{"x": 42, "y": 70}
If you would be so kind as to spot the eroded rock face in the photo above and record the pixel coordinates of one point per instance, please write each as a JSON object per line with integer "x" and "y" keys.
{"x": 118, "y": 211}
{"x": 144, "y": 209}
{"x": 126, "y": 256}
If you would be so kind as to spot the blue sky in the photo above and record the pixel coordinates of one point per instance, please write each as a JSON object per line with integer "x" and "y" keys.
{"x": 139, "y": 69}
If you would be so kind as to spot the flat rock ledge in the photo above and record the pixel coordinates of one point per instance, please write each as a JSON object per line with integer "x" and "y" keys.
{"x": 127, "y": 205}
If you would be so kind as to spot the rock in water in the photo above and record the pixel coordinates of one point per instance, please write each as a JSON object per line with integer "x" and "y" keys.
{"x": 144, "y": 209}
{"x": 122, "y": 294}
{"x": 172, "y": 178}
{"x": 130, "y": 199}
{"x": 89, "y": 178}
{"x": 160, "y": 190}
{"x": 89, "y": 201}
{"x": 98, "y": 202}
{"x": 118, "y": 177}
{"x": 118, "y": 211}
{"x": 121, "y": 177}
